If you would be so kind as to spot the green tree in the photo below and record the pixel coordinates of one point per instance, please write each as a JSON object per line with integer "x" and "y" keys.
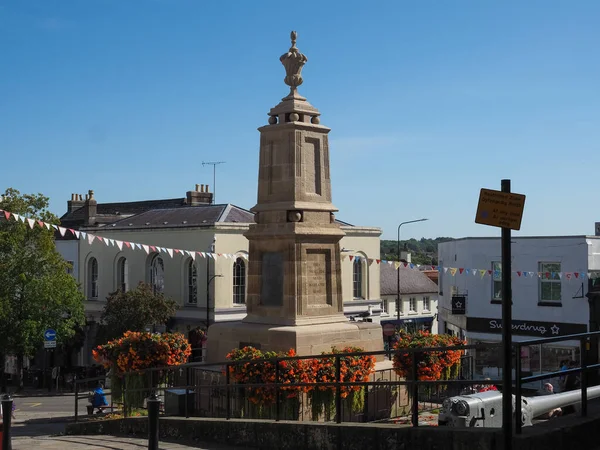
{"x": 134, "y": 311}
{"x": 36, "y": 292}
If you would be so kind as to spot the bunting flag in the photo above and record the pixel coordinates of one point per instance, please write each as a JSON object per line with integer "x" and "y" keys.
{"x": 89, "y": 238}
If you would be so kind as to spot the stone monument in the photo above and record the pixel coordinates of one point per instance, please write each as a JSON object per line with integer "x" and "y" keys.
{"x": 294, "y": 272}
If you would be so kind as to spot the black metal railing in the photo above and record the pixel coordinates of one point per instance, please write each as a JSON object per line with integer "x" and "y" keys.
{"x": 220, "y": 397}
{"x": 584, "y": 369}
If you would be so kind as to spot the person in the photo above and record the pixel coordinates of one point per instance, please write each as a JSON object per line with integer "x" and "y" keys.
{"x": 571, "y": 383}
{"x": 548, "y": 389}
{"x": 12, "y": 413}
{"x": 99, "y": 399}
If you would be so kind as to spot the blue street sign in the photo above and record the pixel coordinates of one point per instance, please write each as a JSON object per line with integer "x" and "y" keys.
{"x": 50, "y": 335}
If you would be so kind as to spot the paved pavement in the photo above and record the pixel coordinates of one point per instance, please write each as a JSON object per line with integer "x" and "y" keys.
{"x": 99, "y": 442}
{"x": 40, "y": 423}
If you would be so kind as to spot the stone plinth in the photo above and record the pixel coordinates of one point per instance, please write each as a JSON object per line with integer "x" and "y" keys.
{"x": 305, "y": 339}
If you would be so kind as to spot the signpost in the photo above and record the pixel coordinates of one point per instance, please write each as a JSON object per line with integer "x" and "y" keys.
{"x": 504, "y": 209}
{"x": 49, "y": 338}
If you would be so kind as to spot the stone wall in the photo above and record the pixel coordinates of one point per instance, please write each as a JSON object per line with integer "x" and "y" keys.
{"x": 569, "y": 432}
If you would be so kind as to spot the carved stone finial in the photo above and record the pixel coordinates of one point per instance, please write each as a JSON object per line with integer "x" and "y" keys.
{"x": 293, "y": 61}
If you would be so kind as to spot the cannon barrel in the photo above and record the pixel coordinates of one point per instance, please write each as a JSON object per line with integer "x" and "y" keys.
{"x": 536, "y": 406}
{"x": 484, "y": 409}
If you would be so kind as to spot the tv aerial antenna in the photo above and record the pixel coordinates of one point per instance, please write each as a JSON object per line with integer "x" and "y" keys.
{"x": 214, "y": 164}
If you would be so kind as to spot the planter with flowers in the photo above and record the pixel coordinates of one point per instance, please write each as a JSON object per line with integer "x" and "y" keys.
{"x": 262, "y": 398}
{"x": 432, "y": 365}
{"x": 135, "y": 352}
{"x": 352, "y": 369}
{"x": 317, "y": 370}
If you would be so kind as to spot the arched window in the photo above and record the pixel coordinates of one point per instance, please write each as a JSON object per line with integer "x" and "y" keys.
{"x": 239, "y": 282}
{"x": 93, "y": 278}
{"x": 357, "y": 278}
{"x": 157, "y": 274}
{"x": 192, "y": 282}
{"x": 122, "y": 275}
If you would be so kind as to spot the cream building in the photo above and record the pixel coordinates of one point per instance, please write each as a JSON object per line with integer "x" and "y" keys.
{"x": 208, "y": 288}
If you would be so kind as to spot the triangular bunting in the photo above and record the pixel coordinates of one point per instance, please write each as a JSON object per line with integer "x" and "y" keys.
{"x": 378, "y": 261}
{"x": 568, "y": 275}
{"x": 146, "y": 248}
{"x": 76, "y": 233}
{"x": 453, "y": 270}
{"x": 40, "y": 223}
{"x": 100, "y": 238}
{"x": 62, "y": 231}
{"x": 90, "y": 238}
{"x": 482, "y": 272}
{"x": 48, "y": 226}
{"x": 445, "y": 269}
{"x": 7, "y": 215}
{"x": 351, "y": 257}
{"x": 31, "y": 223}
{"x": 461, "y": 270}
{"x": 170, "y": 252}
{"x": 397, "y": 264}
{"x": 127, "y": 244}
{"x": 119, "y": 244}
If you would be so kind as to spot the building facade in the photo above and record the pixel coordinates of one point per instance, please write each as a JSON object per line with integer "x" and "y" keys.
{"x": 193, "y": 251}
{"x": 549, "y": 287}
{"x": 418, "y": 298}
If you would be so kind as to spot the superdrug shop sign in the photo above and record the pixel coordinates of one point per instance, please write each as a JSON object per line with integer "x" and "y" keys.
{"x": 525, "y": 327}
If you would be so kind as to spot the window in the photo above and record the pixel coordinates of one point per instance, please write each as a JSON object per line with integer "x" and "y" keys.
{"x": 384, "y": 306}
{"x": 496, "y": 280}
{"x": 399, "y": 305}
{"x": 357, "y": 278}
{"x": 239, "y": 282}
{"x": 157, "y": 274}
{"x": 192, "y": 282}
{"x": 550, "y": 284}
{"x": 93, "y": 278}
{"x": 426, "y": 304}
{"x": 70, "y": 266}
{"x": 122, "y": 274}
{"x": 412, "y": 304}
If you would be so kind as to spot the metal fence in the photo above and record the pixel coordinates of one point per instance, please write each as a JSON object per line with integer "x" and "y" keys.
{"x": 207, "y": 390}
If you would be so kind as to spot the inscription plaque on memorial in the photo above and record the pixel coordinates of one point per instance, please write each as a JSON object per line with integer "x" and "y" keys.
{"x": 271, "y": 290}
{"x": 318, "y": 283}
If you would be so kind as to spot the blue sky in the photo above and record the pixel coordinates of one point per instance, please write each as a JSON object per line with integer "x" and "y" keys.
{"x": 428, "y": 102}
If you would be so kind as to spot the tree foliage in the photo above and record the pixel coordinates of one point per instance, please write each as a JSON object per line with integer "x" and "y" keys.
{"x": 36, "y": 291}
{"x": 423, "y": 251}
{"x": 134, "y": 311}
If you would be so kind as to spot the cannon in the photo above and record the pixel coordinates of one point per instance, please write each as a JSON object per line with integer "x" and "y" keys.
{"x": 484, "y": 409}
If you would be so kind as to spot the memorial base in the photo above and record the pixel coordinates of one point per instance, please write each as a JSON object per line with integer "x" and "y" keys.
{"x": 306, "y": 340}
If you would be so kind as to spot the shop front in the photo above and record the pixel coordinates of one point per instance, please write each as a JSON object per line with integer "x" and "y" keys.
{"x": 535, "y": 358}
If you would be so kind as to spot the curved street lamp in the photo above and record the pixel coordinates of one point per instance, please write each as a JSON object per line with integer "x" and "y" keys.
{"x": 398, "y": 242}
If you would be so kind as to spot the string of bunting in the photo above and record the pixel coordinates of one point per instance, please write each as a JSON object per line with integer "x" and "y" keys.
{"x": 454, "y": 271}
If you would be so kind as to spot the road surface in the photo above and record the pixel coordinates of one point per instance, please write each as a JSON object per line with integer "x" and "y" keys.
{"x": 40, "y": 424}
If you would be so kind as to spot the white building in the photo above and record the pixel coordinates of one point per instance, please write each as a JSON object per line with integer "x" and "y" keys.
{"x": 208, "y": 288}
{"x": 549, "y": 286}
{"x": 418, "y": 298}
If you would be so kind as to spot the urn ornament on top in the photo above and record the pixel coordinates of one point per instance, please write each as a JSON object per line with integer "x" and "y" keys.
{"x": 293, "y": 61}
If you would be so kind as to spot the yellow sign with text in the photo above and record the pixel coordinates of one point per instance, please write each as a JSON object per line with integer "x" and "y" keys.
{"x": 500, "y": 209}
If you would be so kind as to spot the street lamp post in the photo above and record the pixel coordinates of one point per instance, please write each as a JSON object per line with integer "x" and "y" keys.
{"x": 398, "y": 242}
{"x": 209, "y": 279}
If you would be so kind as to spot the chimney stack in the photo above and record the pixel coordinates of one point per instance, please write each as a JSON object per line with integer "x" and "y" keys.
{"x": 75, "y": 203}
{"x": 91, "y": 207}
{"x": 199, "y": 196}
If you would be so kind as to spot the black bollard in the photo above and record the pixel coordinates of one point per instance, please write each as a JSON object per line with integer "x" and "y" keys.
{"x": 153, "y": 404}
{"x": 7, "y": 404}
